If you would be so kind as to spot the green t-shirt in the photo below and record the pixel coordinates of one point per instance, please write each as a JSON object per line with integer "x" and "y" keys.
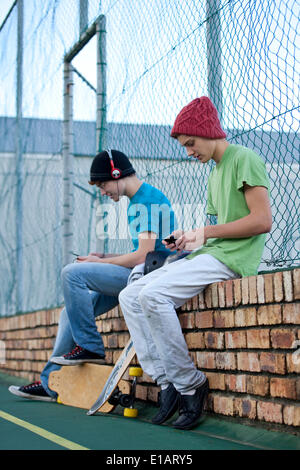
{"x": 226, "y": 200}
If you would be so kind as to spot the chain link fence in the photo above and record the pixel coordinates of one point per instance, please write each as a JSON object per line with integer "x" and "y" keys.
{"x": 160, "y": 54}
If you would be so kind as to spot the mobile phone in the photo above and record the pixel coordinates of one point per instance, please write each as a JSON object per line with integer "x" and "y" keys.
{"x": 171, "y": 239}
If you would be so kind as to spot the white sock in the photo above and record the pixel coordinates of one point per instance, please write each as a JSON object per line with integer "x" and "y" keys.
{"x": 191, "y": 392}
{"x": 164, "y": 386}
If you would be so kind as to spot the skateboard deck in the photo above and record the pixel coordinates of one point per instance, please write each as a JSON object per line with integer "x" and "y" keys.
{"x": 113, "y": 379}
{"x": 79, "y": 385}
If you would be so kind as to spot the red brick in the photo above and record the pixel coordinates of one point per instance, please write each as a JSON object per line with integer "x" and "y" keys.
{"x": 141, "y": 392}
{"x": 235, "y": 339}
{"x": 248, "y": 361}
{"x": 147, "y": 379}
{"x": 214, "y": 295}
{"x": 278, "y": 287}
{"x": 206, "y": 360}
{"x": 288, "y": 285}
{"x": 187, "y": 320}
{"x": 269, "y": 315}
{"x": 245, "y": 290}
{"x": 105, "y": 326}
{"x": 260, "y": 289}
{"x": 296, "y": 284}
{"x": 195, "y": 340}
{"x": 216, "y": 380}
{"x": 115, "y": 355}
{"x": 204, "y": 319}
{"x": 104, "y": 339}
{"x": 223, "y": 405}
{"x": 282, "y": 338}
{"x": 152, "y": 394}
{"x": 119, "y": 324}
{"x": 225, "y": 360}
{"x": 245, "y": 316}
{"x": 237, "y": 290}
{"x": 283, "y": 388}
{"x": 270, "y": 412}
{"x": 291, "y": 313}
{"x": 207, "y": 297}
{"x": 112, "y": 341}
{"x": 123, "y": 339}
{"x": 269, "y": 292}
{"x": 272, "y": 362}
{"x": 291, "y": 415}
{"x": 117, "y": 312}
{"x": 257, "y": 385}
{"x": 229, "y": 293}
{"x": 214, "y": 340}
{"x": 188, "y": 306}
{"x": 224, "y": 318}
{"x": 245, "y": 407}
{"x": 109, "y": 357}
{"x": 236, "y": 383}
{"x": 258, "y": 339}
{"x": 201, "y": 301}
{"x": 195, "y": 302}
{"x": 293, "y": 361}
{"x": 221, "y": 294}
{"x": 252, "y": 290}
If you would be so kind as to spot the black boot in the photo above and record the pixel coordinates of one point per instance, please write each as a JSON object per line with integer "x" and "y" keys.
{"x": 191, "y": 408}
{"x": 168, "y": 400}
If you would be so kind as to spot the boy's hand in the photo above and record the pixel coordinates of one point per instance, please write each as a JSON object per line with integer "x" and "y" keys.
{"x": 99, "y": 255}
{"x": 191, "y": 240}
{"x": 89, "y": 259}
{"x": 172, "y": 246}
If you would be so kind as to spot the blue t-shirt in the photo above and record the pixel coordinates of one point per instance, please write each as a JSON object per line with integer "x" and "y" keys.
{"x": 149, "y": 210}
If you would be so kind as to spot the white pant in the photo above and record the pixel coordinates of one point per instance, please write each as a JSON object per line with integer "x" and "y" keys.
{"x": 149, "y": 304}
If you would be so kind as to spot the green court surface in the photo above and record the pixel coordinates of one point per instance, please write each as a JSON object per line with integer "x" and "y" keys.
{"x": 34, "y": 425}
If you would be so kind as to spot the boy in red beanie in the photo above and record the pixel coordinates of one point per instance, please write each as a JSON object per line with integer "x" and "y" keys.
{"x": 238, "y": 194}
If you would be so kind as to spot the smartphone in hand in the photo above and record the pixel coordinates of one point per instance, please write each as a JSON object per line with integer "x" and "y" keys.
{"x": 170, "y": 240}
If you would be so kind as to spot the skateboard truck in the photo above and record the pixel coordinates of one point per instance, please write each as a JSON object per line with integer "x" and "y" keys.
{"x": 127, "y": 399}
{"x": 129, "y": 410}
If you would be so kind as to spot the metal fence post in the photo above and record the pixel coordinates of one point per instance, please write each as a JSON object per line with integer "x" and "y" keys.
{"x": 214, "y": 55}
{"x": 101, "y": 122}
{"x": 19, "y": 159}
{"x": 83, "y": 15}
{"x": 68, "y": 171}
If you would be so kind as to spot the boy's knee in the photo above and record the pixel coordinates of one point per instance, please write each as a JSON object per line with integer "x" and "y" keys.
{"x": 128, "y": 297}
{"x": 67, "y": 272}
{"x": 124, "y": 295}
{"x": 145, "y": 297}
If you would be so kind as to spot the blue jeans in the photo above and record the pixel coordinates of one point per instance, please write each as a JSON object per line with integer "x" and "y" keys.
{"x": 90, "y": 289}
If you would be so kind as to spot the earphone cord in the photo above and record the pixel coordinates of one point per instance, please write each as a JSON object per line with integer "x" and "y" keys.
{"x": 117, "y": 229}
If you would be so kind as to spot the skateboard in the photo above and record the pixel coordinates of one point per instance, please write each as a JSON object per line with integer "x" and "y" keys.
{"x": 79, "y": 385}
{"x": 111, "y": 392}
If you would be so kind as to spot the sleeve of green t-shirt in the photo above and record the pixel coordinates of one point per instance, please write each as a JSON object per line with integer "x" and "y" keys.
{"x": 250, "y": 169}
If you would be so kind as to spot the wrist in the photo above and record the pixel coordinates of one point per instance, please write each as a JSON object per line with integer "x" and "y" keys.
{"x": 208, "y": 232}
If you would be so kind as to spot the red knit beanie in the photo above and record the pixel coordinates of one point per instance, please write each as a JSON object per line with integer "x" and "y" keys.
{"x": 199, "y": 118}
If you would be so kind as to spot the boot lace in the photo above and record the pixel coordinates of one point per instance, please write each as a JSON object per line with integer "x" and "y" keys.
{"x": 74, "y": 352}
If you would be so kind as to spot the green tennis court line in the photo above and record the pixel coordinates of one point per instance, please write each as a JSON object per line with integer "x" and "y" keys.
{"x": 42, "y": 432}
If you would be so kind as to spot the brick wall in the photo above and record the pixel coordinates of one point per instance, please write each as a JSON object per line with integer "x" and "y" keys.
{"x": 243, "y": 334}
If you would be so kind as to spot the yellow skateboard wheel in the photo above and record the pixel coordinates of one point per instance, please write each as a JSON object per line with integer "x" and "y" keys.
{"x": 59, "y": 400}
{"x": 135, "y": 372}
{"x": 130, "y": 412}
